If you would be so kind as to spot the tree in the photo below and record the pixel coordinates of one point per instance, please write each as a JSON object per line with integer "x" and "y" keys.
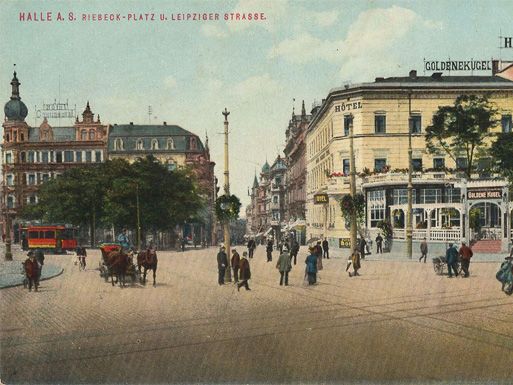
{"x": 502, "y": 153}
{"x": 462, "y": 129}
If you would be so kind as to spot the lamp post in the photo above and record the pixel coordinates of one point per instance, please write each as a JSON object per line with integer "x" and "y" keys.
{"x": 8, "y": 252}
{"x": 138, "y": 217}
{"x": 226, "y": 224}
{"x": 409, "y": 228}
{"x": 352, "y": 173}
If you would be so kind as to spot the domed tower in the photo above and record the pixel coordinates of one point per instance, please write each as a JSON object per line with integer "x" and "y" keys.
{"x": 15, "y": 127}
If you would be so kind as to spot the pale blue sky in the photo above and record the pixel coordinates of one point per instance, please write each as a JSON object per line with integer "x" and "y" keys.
{"x": 190, "y": 71}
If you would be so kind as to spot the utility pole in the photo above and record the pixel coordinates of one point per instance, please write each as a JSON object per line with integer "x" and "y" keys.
{"x": 352, "y": 173}
{"x": 8, "y": 252}
{"x": 409, "y": 229}
{"x": 138, "y": 217}
{"x": 228, "y": 273}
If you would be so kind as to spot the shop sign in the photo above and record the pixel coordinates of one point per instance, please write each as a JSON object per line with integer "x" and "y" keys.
{"x": 484, "y": 194}
{"x": 344, "y": 243}
{"x": 458, "y": 65}
{"x": 56, "y": 110}
{"x": 320, "y": 199}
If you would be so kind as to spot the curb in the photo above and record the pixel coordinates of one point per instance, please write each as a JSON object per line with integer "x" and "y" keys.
{"x": 42, "y": 279}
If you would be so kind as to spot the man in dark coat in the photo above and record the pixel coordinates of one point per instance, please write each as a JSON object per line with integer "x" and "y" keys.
{"x": 318, "y": 254}
{"x": 379, "y": 244}
{"x": 326, "y": 249}
{"x": 311, "y": 266}
{"x": 423, "y": 250}
{"x": 40, "y": 258}
{"x": 294, "y": 250}
{"x": 222, "y": 262}
{"x": 465, "y": 254}
{"x": 32, "y": 271}
{"x": 251, "y": 247}
{"x": 235, "y": 265}
{"x": 269, "y": 250}
{"x": 363, "y": 244}
{"x": 24, "y": 242}
{"x": 245, "y": 272}
{"x": 451, "y": 256}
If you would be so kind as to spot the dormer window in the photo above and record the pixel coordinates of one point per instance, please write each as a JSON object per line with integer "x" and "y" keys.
{"x": 154, "y": 144}
{"x": 193, "y": 143}
{"x": 170, "y": 145}
{"x": 118, "y": 144}
{"x": 139, "y": 145}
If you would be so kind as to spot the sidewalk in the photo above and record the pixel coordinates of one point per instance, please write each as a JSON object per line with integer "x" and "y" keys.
{"x": 12, "y": 273}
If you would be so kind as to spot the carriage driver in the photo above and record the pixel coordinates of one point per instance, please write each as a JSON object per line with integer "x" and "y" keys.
{"x": 123, "y": 240}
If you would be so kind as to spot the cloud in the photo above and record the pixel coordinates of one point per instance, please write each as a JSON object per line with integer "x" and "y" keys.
{"x": 170, "y": 82}
{"x": 325, "y": 19}
{"x": 305, "y": 48}
{"x": 211, "y": 30}
{"x": 256, "y": 85}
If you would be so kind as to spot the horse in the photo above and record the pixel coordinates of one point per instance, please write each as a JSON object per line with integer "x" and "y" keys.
{"x": 148, "y": 260}
{"x": 117, "y": 263}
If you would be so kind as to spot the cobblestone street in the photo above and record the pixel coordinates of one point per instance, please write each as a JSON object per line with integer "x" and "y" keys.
{"x": 398, "y": 321}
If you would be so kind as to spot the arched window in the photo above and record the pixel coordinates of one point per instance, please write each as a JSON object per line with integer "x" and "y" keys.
{"x": 22, "y": 157}
{"x": 22, "y": 137}
{"x": 83, "y": 135}
{"x": 11, "y": 201}
{"x": 154, "y": 144}
{"x": 193, "y": 143}
{"x": 91, "y": 135}
{"x": 32, "y": 200}
{"x": 118, "y": 144}
{"x": 139, "y": 145}
{"x": 170, "y": 145}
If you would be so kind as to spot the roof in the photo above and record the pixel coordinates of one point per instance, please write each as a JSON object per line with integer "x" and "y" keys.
{"x": 60, "y": 134}
{"x": 444, "y": 79}
{"x": 139, "y": 130}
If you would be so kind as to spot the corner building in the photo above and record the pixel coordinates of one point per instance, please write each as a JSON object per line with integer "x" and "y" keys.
{"x": 381, "y": 114}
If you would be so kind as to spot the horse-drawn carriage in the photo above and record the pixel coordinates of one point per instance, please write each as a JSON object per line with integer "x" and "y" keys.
{"x": 116, "y": 262}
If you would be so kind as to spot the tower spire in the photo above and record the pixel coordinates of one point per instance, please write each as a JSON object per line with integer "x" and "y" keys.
{"x": 303, "y": 110}
{"x": 15, "y": 83}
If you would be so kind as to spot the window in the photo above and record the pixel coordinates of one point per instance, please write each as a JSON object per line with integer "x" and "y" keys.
{"x": 376, "y": 205}
{"x": 10, "y": 180}
{"x": 32, "y": 199}
{"x": 91, "y": 135}
{"x": 154, "y": 144}
{"x": 6, "y": 137}
{"x": 22, "y": 137}
{"x": 346, "y": 169}
{"x": 193, "y": 143}
{"x": 431, "y": 195}
{"x": 461, "y": 163}
{"x": 88, "y": 156}
{"x": 58, "y": 157}
{"x": 438, "y": 163}
{"x": 78, "y": 156}
{"x": 506, "y": 123}
{"x": 484, "y": 164}
{"x": 275, "y": 199}
{"x": 44, "y": 177}
{"x": 379, "y": 164}
{"x": 170, "y": 145}
{"x": 98, "y": 156}
{"x": 83, "y": 135}
{"x": 31, "y": 179}
{"x": 453, "y": 195}
{"x": 68, "y": 156}
{"x": 139, "y": 145}
{"x": 380, "y": 124}
{"x": 171, "y": 166}
{"x": 31, "y": 157}
{"x": 8, "y": 157}
{"x": 22, "y": 157}
{"x": 400, "y": 196}
{"x": 118, "y": 144}
{"x": 416, "y": 164}
{"x": 10, "y": 202}
{"x": 348, "y": 121}
{"x": 415, "y": 124}
{"x": 49, "y": 234}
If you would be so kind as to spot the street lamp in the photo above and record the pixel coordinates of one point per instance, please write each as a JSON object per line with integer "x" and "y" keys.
{"x": 8, "y": 252}
{"x": 226, "y": 224}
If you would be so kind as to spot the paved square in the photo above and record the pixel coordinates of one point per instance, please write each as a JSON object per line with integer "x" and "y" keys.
{"x": 398, "y": 321}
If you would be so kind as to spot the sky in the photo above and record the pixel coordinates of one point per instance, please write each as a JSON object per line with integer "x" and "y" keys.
{"x": 190, "y": 71}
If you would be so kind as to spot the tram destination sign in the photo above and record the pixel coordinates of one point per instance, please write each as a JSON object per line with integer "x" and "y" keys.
{"x": 484, "y": 194}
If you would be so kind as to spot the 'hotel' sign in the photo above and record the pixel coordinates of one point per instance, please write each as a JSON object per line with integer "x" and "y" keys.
{"x": 484, "y": 194}
{"x": 320, "y": 199}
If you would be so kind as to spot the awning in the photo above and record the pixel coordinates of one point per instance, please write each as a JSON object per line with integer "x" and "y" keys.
{"x": 298, "y": 224}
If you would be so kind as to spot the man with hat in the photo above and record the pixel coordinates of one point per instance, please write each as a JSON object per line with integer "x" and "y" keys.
{"x": 451, "y": 256}
{"x": 245, "y": 272}
{"x": 465, "y": 254}
{"x": 32, "y": 271}
{"x": 222, "y": 262}
{"x": 235, "y": 265}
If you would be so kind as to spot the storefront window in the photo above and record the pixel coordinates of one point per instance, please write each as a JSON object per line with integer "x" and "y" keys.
{"x": 401, "y": 196}
{"x": 431, "y": 195}
{"x": 453, "y": 195}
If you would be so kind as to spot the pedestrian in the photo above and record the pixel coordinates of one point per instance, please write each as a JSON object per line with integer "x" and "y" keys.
{"x": 284, "y": 266}
{"x": 245, "y": 272}
{"x": 465, "y": 254}
{"x": 269, "y": 250}
{"x": 451, "y": 256}
{"x": 40, "y": 258}
{"x": 423, "y": 250}
{"x": 326, "y": 249}
{"x": 355, "y": 261}
{"x": 311, "y": 267}
{"x": 294, "y": 250}
{"x": 318, "y": 254}
{"x": 32, "y": 271}
{"x": 182, "y": 244}
{"x": 82, "y": 254}
{"x": 362, "y": 247}
{"x": 251, "y": 247}
{"x": 222, "y": 262}
{"x": 3, "y": 237}
{"x": 379, "y": 244}
{"x": 235, "y": 265}
{"x": 24, "y": 242}
{"x": 280, "y": 246}
{"x": 505, "y": 275}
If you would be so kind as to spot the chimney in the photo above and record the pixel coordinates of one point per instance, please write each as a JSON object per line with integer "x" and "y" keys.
{"x": 437, "y": 75}
{"x": 165, "y": 123}
{"x": 413, "y": 74}
{"x": 131, "y": 123}
{"x": 495, "y": 66}
{"x": 380, "y": 79}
